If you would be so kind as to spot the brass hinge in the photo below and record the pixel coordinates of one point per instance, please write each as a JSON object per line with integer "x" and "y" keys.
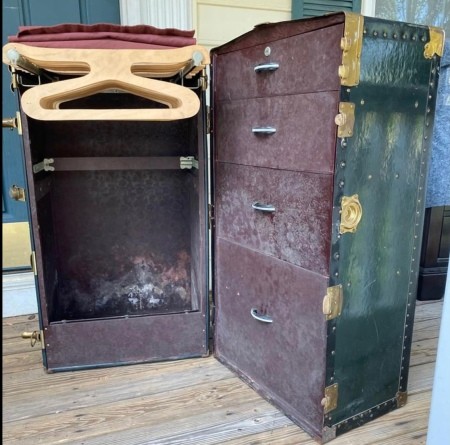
{"x": 330, "y": 401}
{"x": 332, "y": 302}
{"x": 210, "y": 216}
{"x": 33, "y": 262}
{"x": 436, "y": 43}
{"x": 13, "y": 122}
{"x": 17, "y": 193}
{"x": 351, "y": 45}
{"x": 402, "y": 398}
{"x": 35, "y": 336}
{"x": 208, "y": 120}
{"x": 345, "y": 120}
{"x": 351, "y": 214}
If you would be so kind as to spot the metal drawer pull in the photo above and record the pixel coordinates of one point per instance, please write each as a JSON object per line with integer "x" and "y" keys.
{"x": 263, "y": 318}
{"x": 264, "y": 130}
{"x": 263, "y": 207}
{"x": 266, "y": 67}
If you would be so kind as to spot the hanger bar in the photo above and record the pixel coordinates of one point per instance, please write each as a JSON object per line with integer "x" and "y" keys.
{"x": 112, "y": 163}
{"x": 129, "y": 70}
{"x": 144, "y": 62}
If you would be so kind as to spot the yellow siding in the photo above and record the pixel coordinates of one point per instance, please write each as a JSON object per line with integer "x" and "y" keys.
{"x": 219, "y": 21}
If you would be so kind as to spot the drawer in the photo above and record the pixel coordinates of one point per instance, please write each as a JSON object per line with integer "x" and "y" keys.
{"x": 295, "y": 132}
{"x": 297, "y": 231}
{"x": 287, "y": 355}
{"x": 236, "y": 78}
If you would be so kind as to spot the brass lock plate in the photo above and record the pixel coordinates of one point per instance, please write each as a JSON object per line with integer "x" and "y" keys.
{"x": 351, "y": 214}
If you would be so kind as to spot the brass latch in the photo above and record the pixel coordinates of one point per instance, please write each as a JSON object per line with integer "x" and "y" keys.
{"x": 330, "y": 401}
{"x": 13, "y": 122}
{"x": 351, "y": 45}
{"x": 188, "y": 162}
{"x": 332, "y": 302}
{"x": 436, "y": 43}
{"x": 17, "y": 193}
{"x": 345, "y": 120}
{"x": 35, "y": 336}
{"x": 351, "y": 214}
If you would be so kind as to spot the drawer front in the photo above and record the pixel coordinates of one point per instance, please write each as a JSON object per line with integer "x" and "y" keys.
{"x": 297, "y": 230}
{"x": 235, "y": 76}
{"x": 287, "y": 132}
{"x": 287, "y": 355}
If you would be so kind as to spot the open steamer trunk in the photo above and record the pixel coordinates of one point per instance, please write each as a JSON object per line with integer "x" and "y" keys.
{"x": 320, "y": 143}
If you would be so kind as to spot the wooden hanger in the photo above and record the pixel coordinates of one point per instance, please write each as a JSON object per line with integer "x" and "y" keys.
{"x": 106, "y": 69}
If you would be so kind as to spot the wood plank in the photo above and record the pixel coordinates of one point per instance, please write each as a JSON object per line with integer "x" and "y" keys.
{"x": 22, "y": 362}
{"x": 423, "y": 351}
{"x": 194, "y": 401}
{"x": 14, "y": 326}
{"x": 170, "y": 407}
{"x": 18, "y": 382}
{"x": 100, "y": 391}
{"x": 426, "y": 329}
{"x": 426, "y": 310}
{"x": 421, "y": 378}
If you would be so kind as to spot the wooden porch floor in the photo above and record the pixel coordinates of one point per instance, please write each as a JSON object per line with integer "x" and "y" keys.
{"x": 194, "y": 401}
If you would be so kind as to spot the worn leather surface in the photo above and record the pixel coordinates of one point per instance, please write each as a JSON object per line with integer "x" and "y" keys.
{"x": 299, "y": 229}
{"x": 285, "y": 359}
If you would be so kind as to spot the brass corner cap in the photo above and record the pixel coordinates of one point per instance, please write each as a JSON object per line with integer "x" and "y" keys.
{"x": 436, "y": 43}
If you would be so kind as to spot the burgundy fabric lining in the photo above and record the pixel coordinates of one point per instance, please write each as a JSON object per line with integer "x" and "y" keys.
{"x": 103, "y": 36}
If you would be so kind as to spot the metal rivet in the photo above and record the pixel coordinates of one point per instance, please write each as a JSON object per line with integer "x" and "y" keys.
{"x": 404, "y": 36}
{"x": 397, "y": 176}
{"x": 369, "y": 177}
{"x": 365, "y": 31}
{"x": 414, "y": 37}
{"x": 384, "y": 34}
{"x": 398, "y": 272}
{"x": 343, "y": 143}
{"x": 342, "y": 164}
{"x": 267, "y": 51}
{"x": 332, "y": 352}
{"x": 341, "y": 184}
{"x": 375, "y": 33}
{"x": 362, "y": 102}
{"x": 395, "y": 35}
{"x": 423, "y": 38}
{"x": 416, "y": 104}
{"x": 336, "y": 255}
{"x": 336, "y": 274}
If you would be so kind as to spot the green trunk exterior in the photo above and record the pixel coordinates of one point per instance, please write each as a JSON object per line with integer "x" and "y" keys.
{"x": 385, "y": 164}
